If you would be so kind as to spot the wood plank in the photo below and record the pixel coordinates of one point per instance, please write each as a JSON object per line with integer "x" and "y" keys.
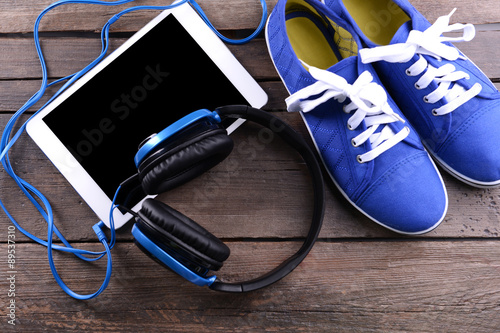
{"x": 483, "y": 12}
{"x": 214, "y": 199}
{"x": 481, "y": 47}
{"x": 19, "y": 16}
{"x": 68, "y": 55}
{"x": 346, "y": 286}
{"x": 14, "y": 93}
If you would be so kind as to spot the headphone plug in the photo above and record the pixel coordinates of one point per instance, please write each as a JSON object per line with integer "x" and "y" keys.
{"x": 98, "y": 231}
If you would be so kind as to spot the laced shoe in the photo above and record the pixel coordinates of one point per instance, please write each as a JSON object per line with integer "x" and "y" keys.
{"x": 452, "y": 105}
{"x": 371, "y": 152}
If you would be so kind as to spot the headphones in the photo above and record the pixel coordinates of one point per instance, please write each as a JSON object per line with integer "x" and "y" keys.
{"x": 181, "y": 152}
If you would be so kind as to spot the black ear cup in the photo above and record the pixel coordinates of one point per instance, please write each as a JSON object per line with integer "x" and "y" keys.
{"x": 184, "y": 159}
{"x": 183, "y": 236}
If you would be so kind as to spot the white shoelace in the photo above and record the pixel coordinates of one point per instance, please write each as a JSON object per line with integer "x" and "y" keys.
{"x": 368, "y": 101}
{"x": 431, "y": 42}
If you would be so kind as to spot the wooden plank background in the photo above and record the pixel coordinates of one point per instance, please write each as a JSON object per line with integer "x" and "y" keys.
{"x": 358, "y": 278}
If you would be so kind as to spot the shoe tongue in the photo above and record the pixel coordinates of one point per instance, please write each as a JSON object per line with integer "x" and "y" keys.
{"x": 402, "y": 34}
{"x": 347, "y": 68}
{"x": 415, "y": 23}
{"x": 351, "y": 68}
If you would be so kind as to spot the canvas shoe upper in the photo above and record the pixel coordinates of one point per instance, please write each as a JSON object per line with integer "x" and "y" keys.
{"x": 452, "y": 105}
{"x": 371, "y": 153}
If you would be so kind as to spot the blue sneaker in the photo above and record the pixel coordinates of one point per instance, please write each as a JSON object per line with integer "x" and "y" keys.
{"x": 452, "y": 105}
{"x": 372, "y": 154}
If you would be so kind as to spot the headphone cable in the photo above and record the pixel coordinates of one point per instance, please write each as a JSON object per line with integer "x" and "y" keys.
{"x": 8, "y": 140}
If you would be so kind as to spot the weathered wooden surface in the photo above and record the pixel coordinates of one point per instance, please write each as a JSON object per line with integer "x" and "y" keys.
{"x": 349, "y": 286}
{"x": 358, "y": 278}
{"x": 19, "y": 16}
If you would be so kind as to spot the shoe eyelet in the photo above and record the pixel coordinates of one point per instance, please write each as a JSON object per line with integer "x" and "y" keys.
{"x": 434, "y": 112}
{"x": 417, "y": 86}
{"x": 350, "y": 127}
{"x": 358, "y": 158}
{"x": 408, "y": 72}
{"x": 353, "y": 142}
{"x": 426, "y": 99}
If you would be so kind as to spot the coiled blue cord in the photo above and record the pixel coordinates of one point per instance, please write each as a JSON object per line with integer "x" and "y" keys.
{"x": 39, "y": 201}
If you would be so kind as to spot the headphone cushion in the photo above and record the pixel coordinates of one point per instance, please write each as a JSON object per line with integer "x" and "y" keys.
{"x": 184, "y": 162}
{"x": 182, "y": 230}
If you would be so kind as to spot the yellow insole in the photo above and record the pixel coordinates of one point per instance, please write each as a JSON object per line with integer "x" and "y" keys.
{"x": 378, "y": 19}
{"x": 309, "y": 43}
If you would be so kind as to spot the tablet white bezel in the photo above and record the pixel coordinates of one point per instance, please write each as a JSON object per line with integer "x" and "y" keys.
{"x": 65, "y": 162}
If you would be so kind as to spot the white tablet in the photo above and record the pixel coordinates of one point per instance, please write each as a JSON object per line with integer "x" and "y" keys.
{"x": 173, "y": 66}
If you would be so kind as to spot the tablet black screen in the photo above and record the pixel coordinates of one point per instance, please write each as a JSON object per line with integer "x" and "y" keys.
{"x": 157, "y": 80}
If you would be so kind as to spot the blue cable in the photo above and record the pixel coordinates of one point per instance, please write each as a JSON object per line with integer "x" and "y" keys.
{"x": 228, "y": 40}
{"x": 37, "y": 198}
{"x": 46, "y": 210}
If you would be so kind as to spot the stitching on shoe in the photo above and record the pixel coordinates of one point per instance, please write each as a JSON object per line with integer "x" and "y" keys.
{"x": 387, "y": 175}
{"x": 465, "y": 126}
